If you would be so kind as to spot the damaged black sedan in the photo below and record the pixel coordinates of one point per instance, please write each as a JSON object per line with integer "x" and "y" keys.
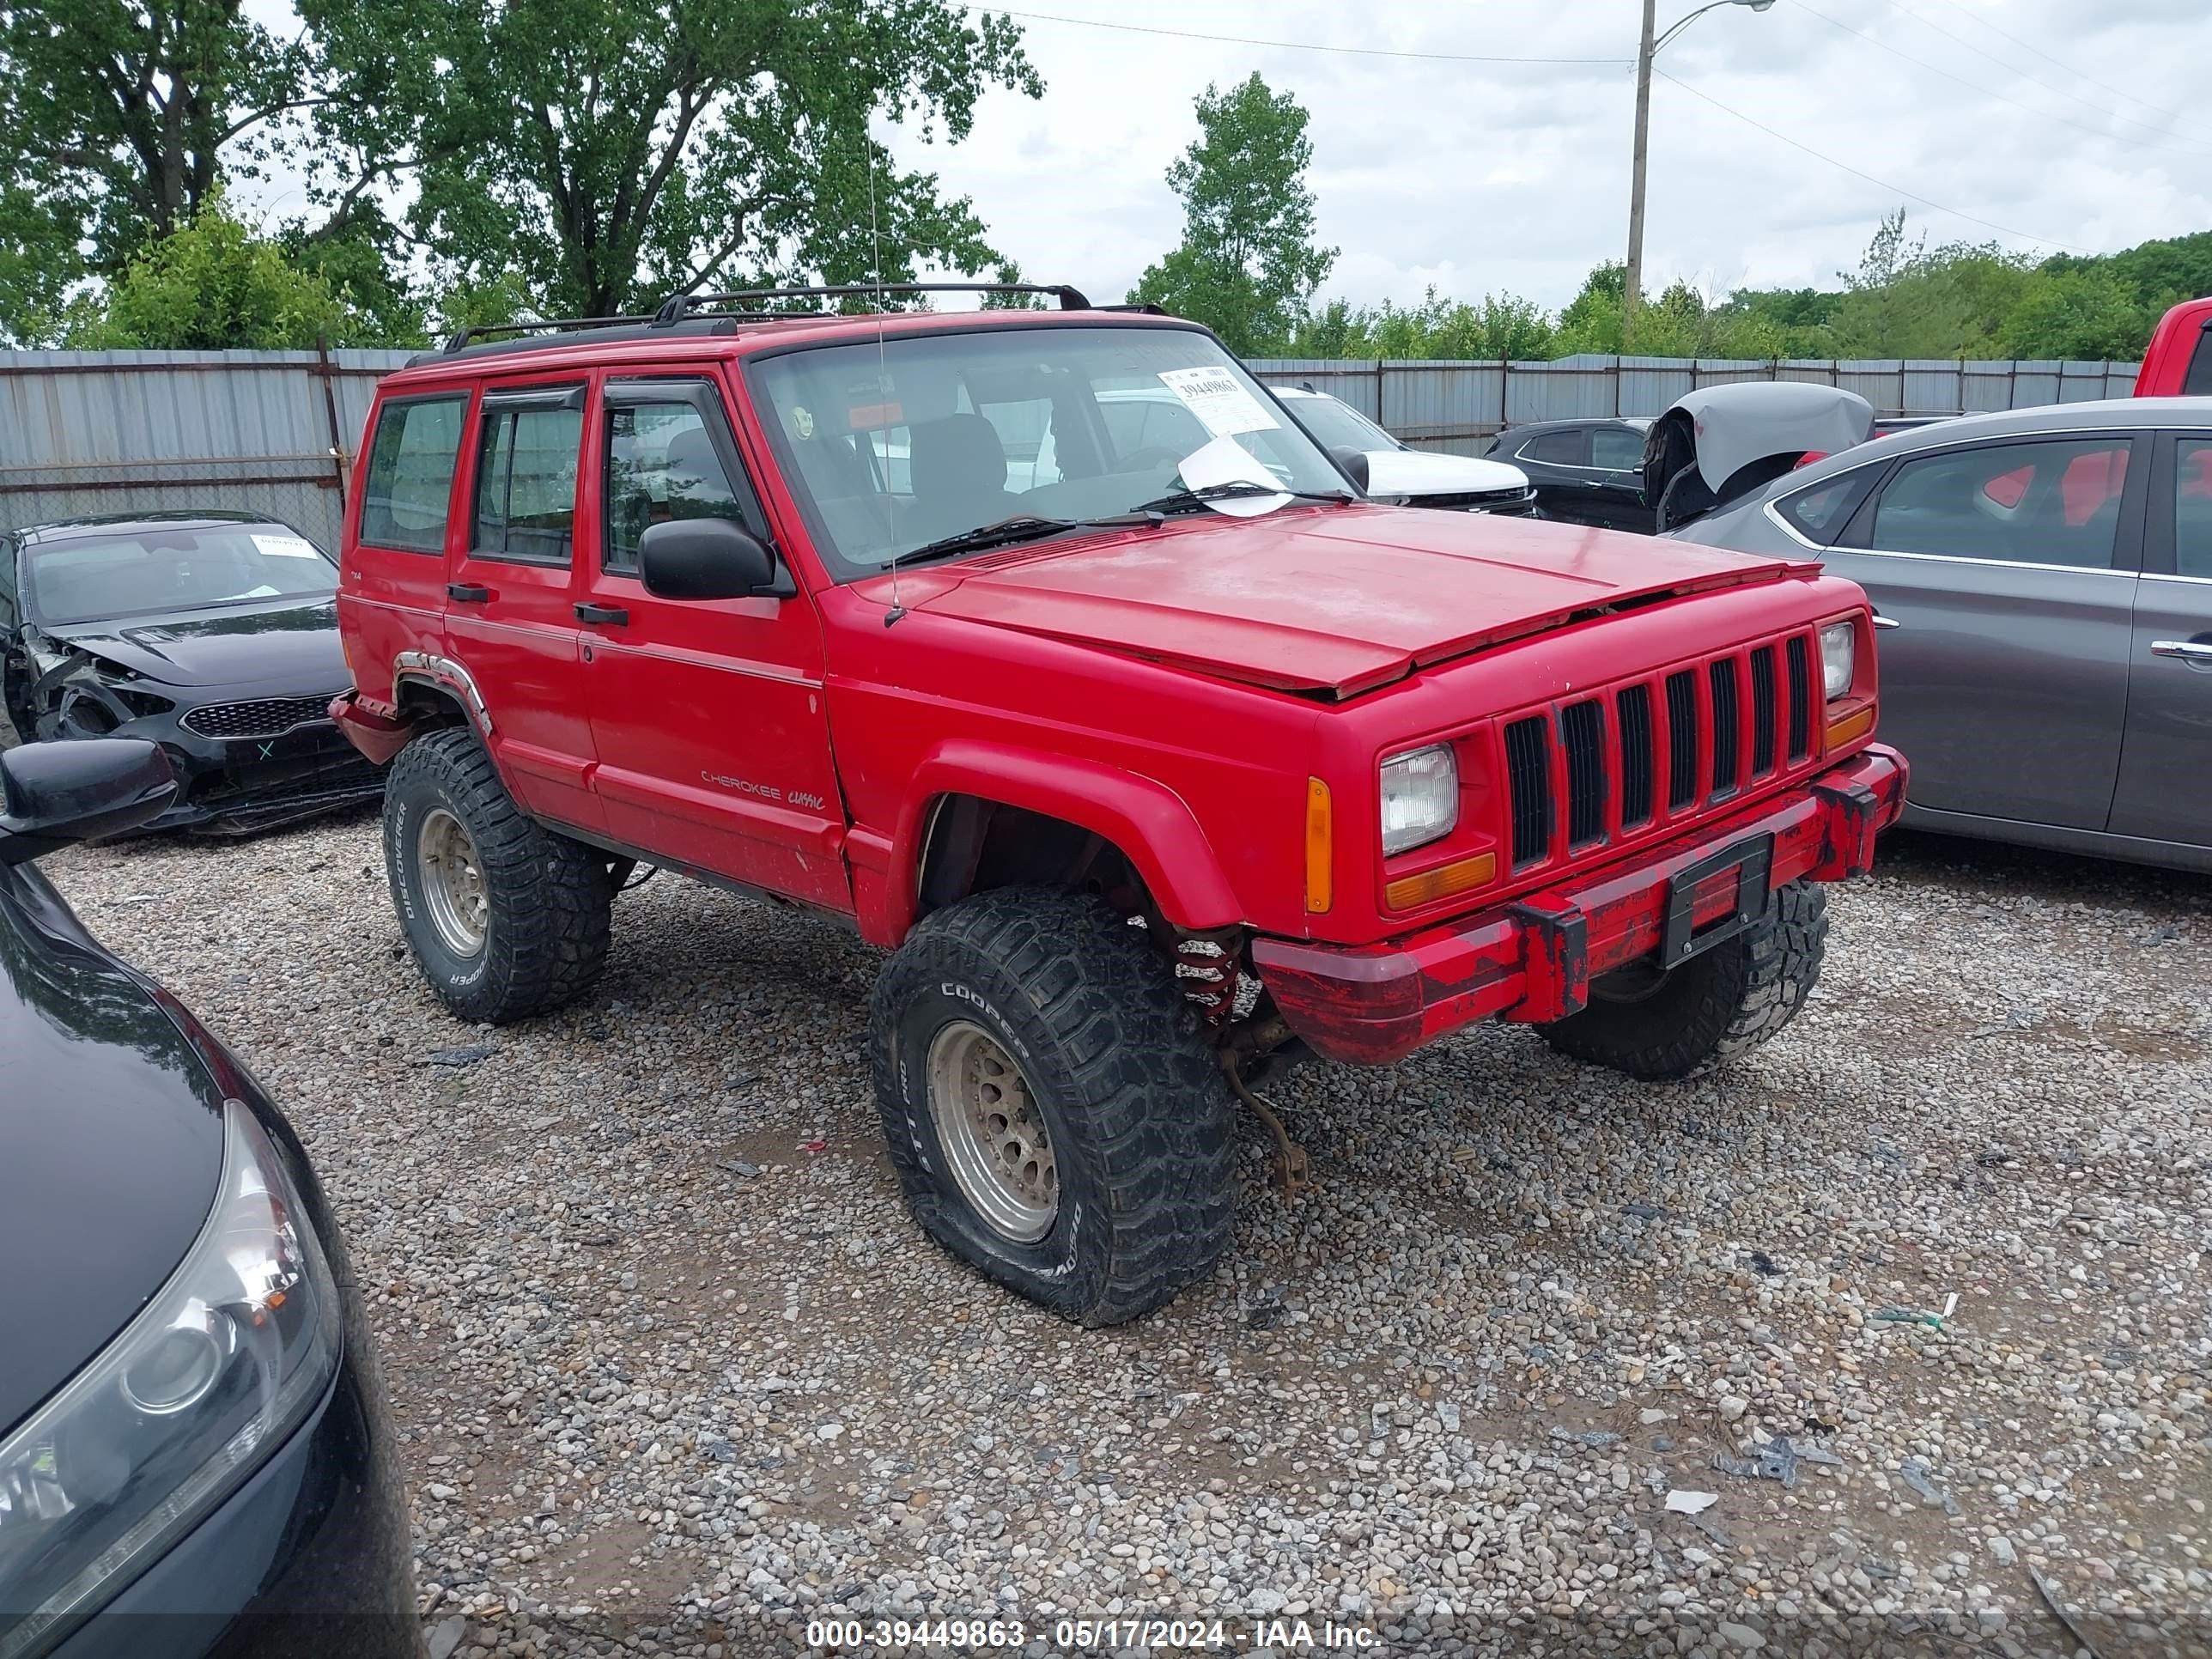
{"x": 213, "y": 635}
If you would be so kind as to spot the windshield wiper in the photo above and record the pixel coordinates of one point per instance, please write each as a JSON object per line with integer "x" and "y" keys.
{"x": 1186, "y": 501}
{"x": 1021, "y": 527}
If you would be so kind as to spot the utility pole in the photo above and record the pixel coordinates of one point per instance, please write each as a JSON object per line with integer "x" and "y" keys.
{"x": 1631, "y": 289}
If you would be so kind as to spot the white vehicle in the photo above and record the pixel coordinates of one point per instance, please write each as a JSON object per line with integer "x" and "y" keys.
{"x": 1416, "y": 477}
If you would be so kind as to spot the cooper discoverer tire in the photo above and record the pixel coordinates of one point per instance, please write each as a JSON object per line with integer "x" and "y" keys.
{"x": 1098, "y": 1177}
{"x": 1727, "y": 998}
{"x": 469, "y": 867}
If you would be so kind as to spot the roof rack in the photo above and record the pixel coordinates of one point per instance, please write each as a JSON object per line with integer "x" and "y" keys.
{"x": 677, "y": 306}
{"x": 480, "y": 330}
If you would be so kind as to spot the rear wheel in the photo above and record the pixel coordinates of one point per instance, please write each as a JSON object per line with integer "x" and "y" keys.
{"x": 506, "y": 919}
{"x": 1727, "y": 998}
{"x": 1055, "y": 1114}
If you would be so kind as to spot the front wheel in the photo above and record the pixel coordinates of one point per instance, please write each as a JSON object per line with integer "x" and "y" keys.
{"x": 505, "y": 918}
{"x": 1729, "y": 998}
{"x": 1055, "y": 1114}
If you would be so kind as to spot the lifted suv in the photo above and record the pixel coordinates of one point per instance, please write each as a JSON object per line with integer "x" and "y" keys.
{"x": 1156, "y": 765}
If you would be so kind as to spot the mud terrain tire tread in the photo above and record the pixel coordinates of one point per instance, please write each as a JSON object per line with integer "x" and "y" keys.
{"x": 1135, "y": 1101}
{"x": 551, "y": 897}
{"x": 1720, "y": 1004}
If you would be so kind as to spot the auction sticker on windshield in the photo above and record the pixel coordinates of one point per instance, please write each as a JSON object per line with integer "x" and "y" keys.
{"x": 1223, "y": 407}
{"x": 287, "y": 547}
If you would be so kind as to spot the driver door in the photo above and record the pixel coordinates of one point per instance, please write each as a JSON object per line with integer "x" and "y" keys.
{"x": 708, "y": 713}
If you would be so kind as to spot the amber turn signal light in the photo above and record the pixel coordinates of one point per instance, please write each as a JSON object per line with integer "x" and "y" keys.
{"x": 1320, "y": 848}
{"x": 1460, "y": 876}
{"x": 1850, "y": 728}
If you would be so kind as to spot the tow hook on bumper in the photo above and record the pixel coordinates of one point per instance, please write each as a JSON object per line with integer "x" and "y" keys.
{"x": 1532, "y": 960}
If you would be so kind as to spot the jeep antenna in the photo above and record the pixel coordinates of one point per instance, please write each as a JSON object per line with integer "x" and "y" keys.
{"x": 883, "y": 379}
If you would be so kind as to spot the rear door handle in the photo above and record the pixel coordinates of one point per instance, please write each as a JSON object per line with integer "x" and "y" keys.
{"x": 2187, "y": 650}
{"x": 467, "y": 593}
{"x": 1880, "y": 621}
{"x": 603, "y": 613}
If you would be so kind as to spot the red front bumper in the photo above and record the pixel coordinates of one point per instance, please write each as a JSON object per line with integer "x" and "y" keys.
{"x": 1533, "y": 959}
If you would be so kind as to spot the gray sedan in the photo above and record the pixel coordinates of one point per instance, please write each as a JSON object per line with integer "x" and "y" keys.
{"x": 2042, "y": 581}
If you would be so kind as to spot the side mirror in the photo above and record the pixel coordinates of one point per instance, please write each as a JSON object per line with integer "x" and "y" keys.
{"x": 1354, "y": 462}
{"x": 703, "y": 559}
{"x": 71, "y": 790}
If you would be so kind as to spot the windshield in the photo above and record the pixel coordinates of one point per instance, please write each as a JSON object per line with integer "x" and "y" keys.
{"x": 948, "y": 433}
{"x": 158, "y": 570}
{"x": 1339, "y": 425}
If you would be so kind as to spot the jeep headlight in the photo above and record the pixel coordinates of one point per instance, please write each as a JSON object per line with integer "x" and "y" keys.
{"x": 165, "y": 1421}
{"x": 1420, "y": 797}
{"x": 1839, "y": 657}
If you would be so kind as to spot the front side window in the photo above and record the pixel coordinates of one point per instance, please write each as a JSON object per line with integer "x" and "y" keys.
{"x": 2192, "y": 508}
{"x": 662, "y": 463}
{"x": 2055, "y": 502}
{"x": 411, "y": 473}
{"x": 161, "y": 570}
{"x": 891, "y": 446}
{"x": 1616, "y": 447}
{"x": 526, "y": 485}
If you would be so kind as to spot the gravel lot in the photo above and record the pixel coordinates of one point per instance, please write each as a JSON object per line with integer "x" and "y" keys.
{"x": 673, "y": 1371}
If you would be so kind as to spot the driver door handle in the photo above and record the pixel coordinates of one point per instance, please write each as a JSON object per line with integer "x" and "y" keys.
{"x": 1880, "y": 621}
{"x": 2187, "y": 650}
{"x": 613, "y": 614}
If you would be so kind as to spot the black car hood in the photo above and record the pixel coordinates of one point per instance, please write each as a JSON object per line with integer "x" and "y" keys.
{"x": 295, "y": 644}
{"x": 112, "y": 1129}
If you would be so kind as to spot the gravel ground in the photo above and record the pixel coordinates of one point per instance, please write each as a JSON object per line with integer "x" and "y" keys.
{"x": 672, "y": 1370}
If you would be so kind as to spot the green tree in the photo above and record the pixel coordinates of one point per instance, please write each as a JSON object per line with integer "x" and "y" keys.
{"x": 1248, "y": 265}
{"x": 1498, "y": 325}
{"x": 213, "y": 285}
{"x": 121, "y": 117}
{"x": 606, "y": 153}
{"x": 2086, "y": 314}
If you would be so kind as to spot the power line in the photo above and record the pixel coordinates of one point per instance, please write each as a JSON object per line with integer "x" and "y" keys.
{"x": 1290, "y": 46}
{"x": 1992, "y": 92}
{"x": 1911, "y": 196}
{"x": 2028, "y": 46}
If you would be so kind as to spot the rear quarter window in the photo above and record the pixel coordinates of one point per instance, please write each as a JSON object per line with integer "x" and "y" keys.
{"x": 1820, "y": 513}
{"x": 412, "y": 459}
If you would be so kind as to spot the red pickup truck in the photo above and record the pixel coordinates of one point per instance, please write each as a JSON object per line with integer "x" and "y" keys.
{"x": 2177, "y": 362}
{"x": 1152, "y": 769}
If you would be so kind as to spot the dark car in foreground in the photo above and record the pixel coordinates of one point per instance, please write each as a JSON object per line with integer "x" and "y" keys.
{"x": 1585, "y": 471}
{"x": 2043, "y": 583}
{"x": 194, "y": 1455}
{"x": 213, "y": 635}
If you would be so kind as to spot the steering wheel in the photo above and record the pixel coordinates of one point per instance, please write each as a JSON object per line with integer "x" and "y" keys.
{"x": 1150, "y": 455}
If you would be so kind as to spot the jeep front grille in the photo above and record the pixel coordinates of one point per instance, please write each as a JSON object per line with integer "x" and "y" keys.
{"x": 1732, "y": 719}
{"x": 264, "y": 717}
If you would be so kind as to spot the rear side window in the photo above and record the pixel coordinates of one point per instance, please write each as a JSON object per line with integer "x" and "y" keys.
{"x": 2030, "y": 503}
{"x": 1559, "y": 449}
{"x": 526, "y": 485}
{"x": 1820, "y": 513}
{"x": 411, "y": 473}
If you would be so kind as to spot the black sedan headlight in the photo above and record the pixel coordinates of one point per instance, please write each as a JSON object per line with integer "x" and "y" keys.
{"x": 177, "y": 1411}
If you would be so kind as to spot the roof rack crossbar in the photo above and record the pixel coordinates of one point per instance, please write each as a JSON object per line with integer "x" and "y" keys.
{"x": 677, "y": 306}
{"x": 463, "y": 336}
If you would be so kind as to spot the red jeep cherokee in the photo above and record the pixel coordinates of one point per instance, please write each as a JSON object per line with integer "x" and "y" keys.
{"x": 1152, "y": 762}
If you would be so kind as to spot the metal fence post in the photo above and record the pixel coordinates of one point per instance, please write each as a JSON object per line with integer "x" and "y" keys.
{"x": 325, "y": 371}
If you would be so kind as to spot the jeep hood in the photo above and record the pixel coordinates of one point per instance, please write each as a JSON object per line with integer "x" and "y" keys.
{"x": 1334, "y": 601}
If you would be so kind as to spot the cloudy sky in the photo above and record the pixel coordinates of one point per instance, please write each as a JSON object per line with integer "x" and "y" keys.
{"x": 2041, "y": 124}
{"x": 1514, "y": 176}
